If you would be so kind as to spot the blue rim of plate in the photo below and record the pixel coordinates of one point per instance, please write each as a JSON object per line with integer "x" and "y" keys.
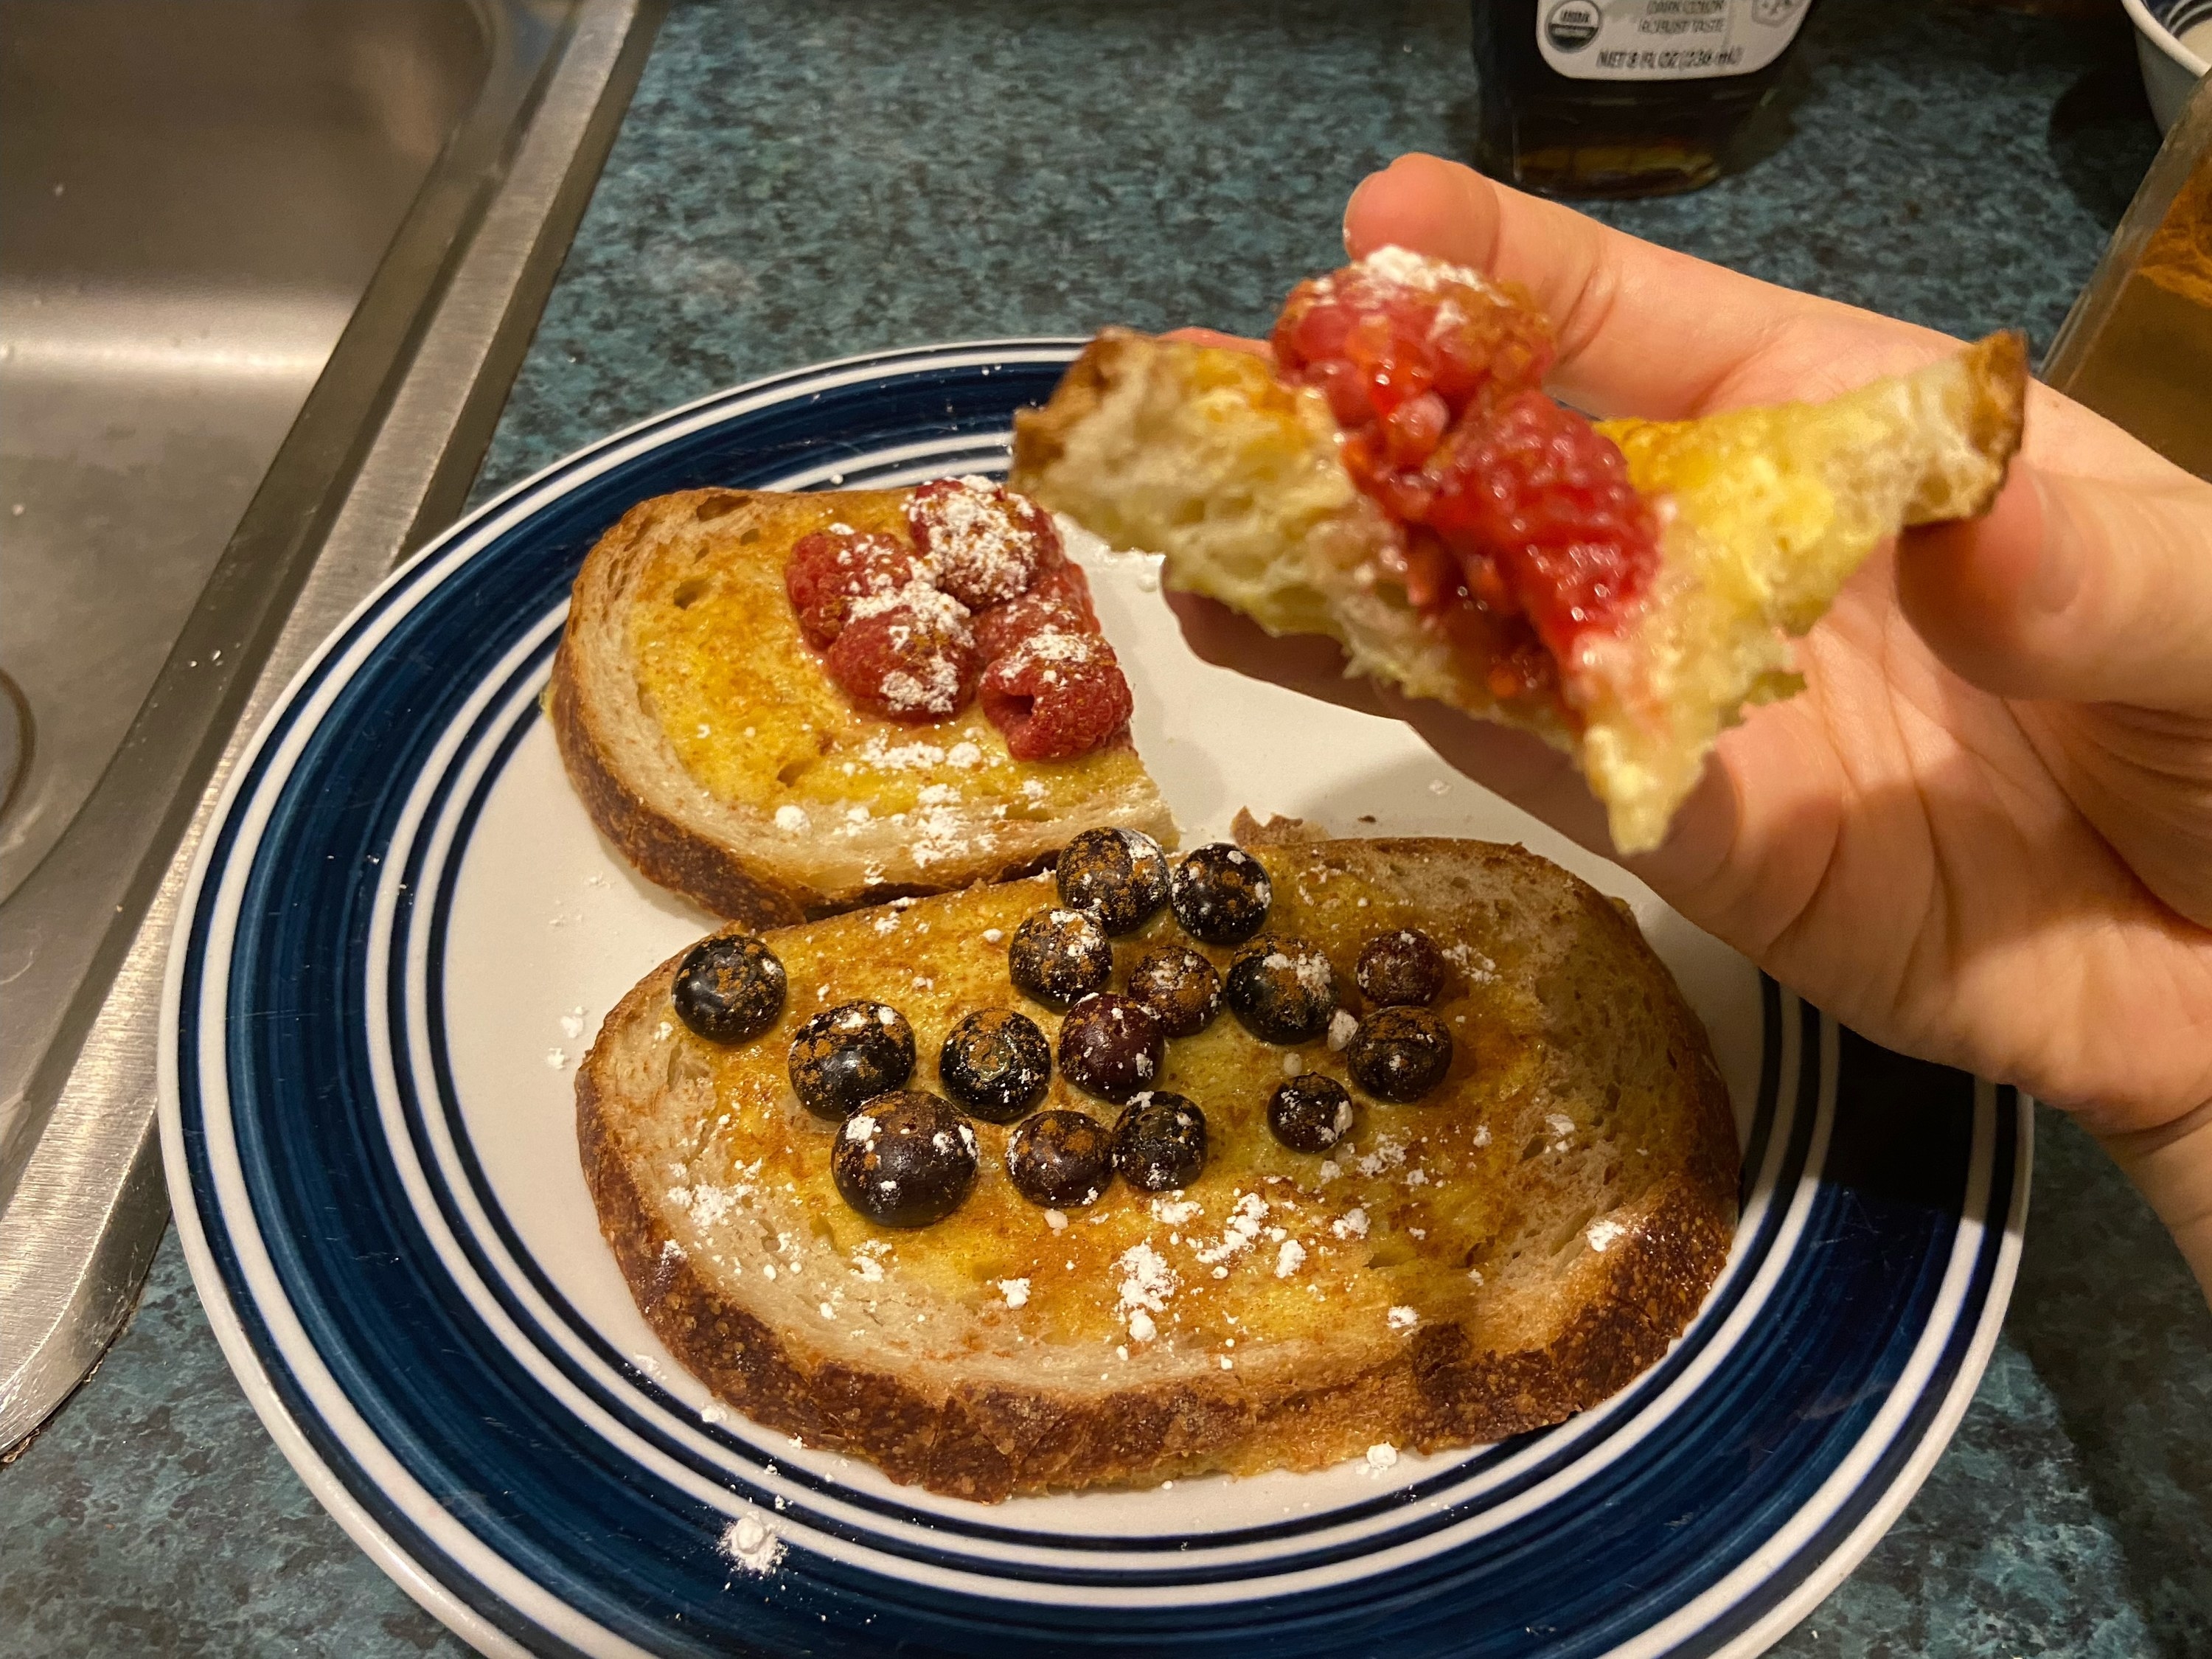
{"x": 541, "y": 1491}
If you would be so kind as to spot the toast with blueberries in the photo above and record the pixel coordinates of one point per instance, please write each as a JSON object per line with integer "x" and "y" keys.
{"x": 1397, "y": 479}
{"x": 783, "y": 705}
{"x": 1263, "y": 1158}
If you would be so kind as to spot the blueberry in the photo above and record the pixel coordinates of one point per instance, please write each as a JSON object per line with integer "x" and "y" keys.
{"x": 728, "y": 988}
{"x": 1179, "y": 985}
{"x": 1119, "y": 875}
{"x": 1110, "y": 1047}
{"x": 1310, "y": 1113}
{"x": 1062, "y": 1157}
{"x": 1220, "y": 894}
{"x": 904, "y": 1159}
{"x": 996, "y": 1063}
{"x": 1060, "y": 956}
{"x": 1400, "y": 968}
{"x": 1159, "y": 1143}
{"x": 1282, "y": 989}
{"x": 1399, "y": 1054}
{"x": 847, "y": 1055}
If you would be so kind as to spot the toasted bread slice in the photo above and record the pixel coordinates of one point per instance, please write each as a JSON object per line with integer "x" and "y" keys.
{"x": 708, "y": 745}
{"x": 1200, "y": 453}
{"x": 1512, "y": 1249}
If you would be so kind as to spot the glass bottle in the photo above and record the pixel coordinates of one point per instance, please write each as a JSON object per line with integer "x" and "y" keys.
{"x": 1623, "y": 97}
{"x": 2137, "y": 345}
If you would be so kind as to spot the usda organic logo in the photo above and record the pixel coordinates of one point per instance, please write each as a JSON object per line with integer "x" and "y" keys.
{"x": 1572, "y": 24}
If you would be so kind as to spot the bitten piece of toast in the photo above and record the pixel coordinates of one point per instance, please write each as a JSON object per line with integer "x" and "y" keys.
{"x": 1200, "y": 453}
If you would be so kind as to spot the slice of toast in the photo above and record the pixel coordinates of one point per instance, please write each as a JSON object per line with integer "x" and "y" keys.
{"x": 696, "y": 723}
{"x": 1201, "y": 455}
{"x": 1512, "y": 1249}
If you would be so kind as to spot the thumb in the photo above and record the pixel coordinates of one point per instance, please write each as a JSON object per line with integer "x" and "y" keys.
{"x": 2073, "y": 589}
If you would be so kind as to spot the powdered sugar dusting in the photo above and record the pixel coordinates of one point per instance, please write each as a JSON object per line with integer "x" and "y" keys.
{"x": 752, "y": 1544}
{"x": 1147, "y": 1282}
{"x": 1244, "y": 1226}
{"x": 1418, "y": 271}
{"x": 978, "y": 546}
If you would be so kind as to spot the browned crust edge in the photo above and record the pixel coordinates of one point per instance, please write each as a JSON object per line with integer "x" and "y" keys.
{"x": 987, "y": 1442}
{"x": 1040, "y": 433}
{"x": 1998, "y": 366}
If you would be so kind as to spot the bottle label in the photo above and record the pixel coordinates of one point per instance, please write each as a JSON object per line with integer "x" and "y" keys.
{"x": 1664, "y": 40}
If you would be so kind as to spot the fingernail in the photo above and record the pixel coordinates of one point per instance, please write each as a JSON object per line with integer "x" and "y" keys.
{"x": 1351, "y": 206}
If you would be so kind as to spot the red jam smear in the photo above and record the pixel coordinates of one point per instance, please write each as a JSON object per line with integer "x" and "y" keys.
{"x": 1524, "y": 533}
{"x": 983, "y": 595}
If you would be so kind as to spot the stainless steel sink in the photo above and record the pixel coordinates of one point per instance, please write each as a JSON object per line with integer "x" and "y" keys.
{"x": 266, "y": 270}
{"x": 195, "y": 199}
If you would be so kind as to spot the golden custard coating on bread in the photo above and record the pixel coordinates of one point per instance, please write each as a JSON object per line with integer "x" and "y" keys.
{"x": 1512, "y": 1249}
{"x": 1200, "y": 454}
{"x": 703, "y": 736}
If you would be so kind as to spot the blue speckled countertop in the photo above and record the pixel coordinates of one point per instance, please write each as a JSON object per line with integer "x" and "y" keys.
{"x": 797, "y": 181}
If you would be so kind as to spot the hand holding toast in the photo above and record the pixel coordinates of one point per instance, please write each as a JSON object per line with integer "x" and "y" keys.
{"x": 1984, "y": 833}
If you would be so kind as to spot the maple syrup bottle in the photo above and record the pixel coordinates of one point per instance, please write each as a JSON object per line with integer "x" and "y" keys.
{"x": 1623, "y": 97}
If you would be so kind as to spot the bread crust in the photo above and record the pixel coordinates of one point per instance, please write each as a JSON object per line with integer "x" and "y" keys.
{"x": 986, "y": 1438}
{"x": 1995, "y": 419}
{"x": 665, "y": 825}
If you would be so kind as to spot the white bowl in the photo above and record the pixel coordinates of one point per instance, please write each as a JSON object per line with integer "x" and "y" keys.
{"x": 2170, "y": 70}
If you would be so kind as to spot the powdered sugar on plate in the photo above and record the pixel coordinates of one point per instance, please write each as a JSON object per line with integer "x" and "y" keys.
{"x": 751, "y": 1543}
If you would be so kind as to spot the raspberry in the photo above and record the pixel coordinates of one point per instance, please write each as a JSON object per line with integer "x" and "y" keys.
{"x": 984, "y": 544}
{"x": 828, "y": 569}
{"x": 1063, "y": 580}
{"x": 906, "y": 663}
{"x": 1003, "y": 627}
{"x": 1056, "y": 695}
{"x": 1537, "y": 506}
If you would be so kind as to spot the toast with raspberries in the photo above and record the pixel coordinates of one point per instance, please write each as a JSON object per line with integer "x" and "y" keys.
{"x": 787, "y": 705}
{"x": 1255, "y": 1159}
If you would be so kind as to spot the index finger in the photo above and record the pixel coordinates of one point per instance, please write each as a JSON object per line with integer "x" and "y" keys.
{"x": 1642, "y": 329}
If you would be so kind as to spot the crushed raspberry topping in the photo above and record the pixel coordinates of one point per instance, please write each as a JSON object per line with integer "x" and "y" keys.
{"x": 985, "y": 544}
{"x": 1523, "y": 533}
{"x": 908, "y": 631}
{"x": 832, "y": 568}
{"x": 1055, "y": 695}
{"x": 1537, "y": 504}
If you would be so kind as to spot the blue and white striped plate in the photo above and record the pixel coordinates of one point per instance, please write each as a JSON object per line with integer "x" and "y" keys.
{"x": 400, "y": 939}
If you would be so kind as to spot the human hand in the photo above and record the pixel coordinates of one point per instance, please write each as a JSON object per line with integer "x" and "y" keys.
{"x": 1982, "y": 834}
